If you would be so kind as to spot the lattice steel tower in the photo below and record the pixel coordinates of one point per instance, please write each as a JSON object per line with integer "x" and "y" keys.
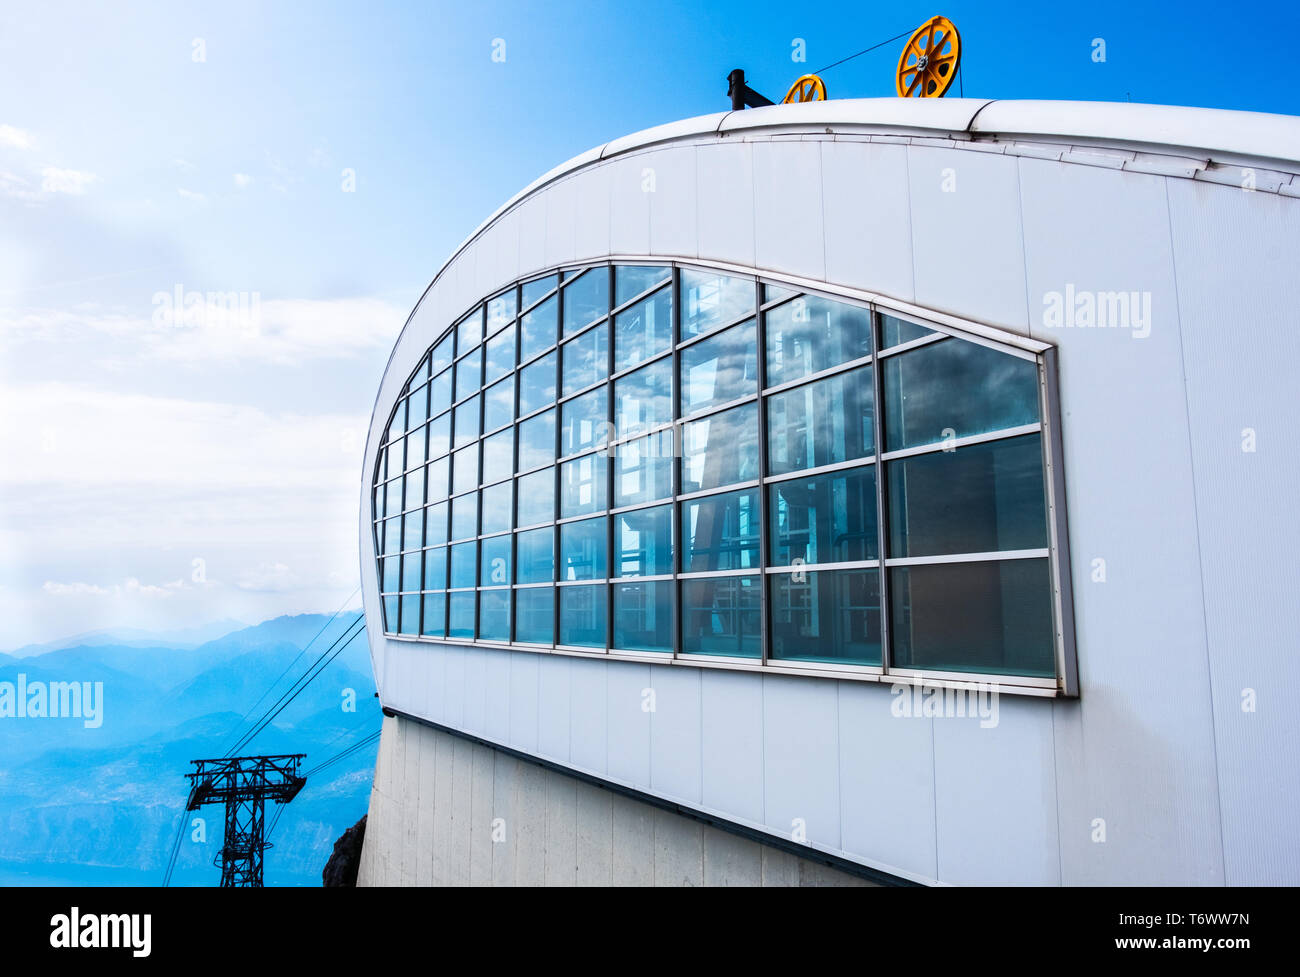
{"x": 244, "y": 784}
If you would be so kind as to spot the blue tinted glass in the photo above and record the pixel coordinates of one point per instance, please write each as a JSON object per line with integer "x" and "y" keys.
{"x": 415, "y": 448}
{"x": 392, "y": 574}
{"x": 536, "y": 556}
{"x": 772, "y": 293}
{"x": 537, "y": 441}
{"x": 469, "y": 374}
{"x": 720, "y": 369}
{"x": 631, "y": 280}
{"x": 494, "y": 561}
{"x": 535, "y": 615}
{"x": 537, "y": 497}
{"x": 437, "y": 480}
{"x": 643, "y": 469}
{"x": 644, "y": 399}
{"x": 464, "y": 516}
{"x": 499, "y": 404}
{"x": 435, "y": 524}
{"x": 721, "y": 616}
{"x": 810, "y": 334}
{"x": 643, "y": 615}
{"x": 464, "y": 565}
{"x": 585, "y": 360}
{"x": 582, "y": 550}
{"x": 586, "y": 299}
{"x": 826, "y": 616}
{"x": 582, "y": 485}
{"x": 435, "y": 615}
{"x": 464, "y": 469}
{"x": 820, "y": 423}
{"x": 993, "y": 617}
{"x": 501, "y": 310}
{"x": 539, "y": 329}
{"x": 721, "y": 449}
{"x": 720, "y": 532}
{"x": 494, "y": 615}
{"x": 412, "y": 565}
{"x": 953, "y": 389}
{"x": 440, "y": 392}
{"x": 827, "y": 519}
{"x": 499, "y": 455}
{"x": 417, "y": 407}
{"x": 411, "y": 615}
{"x": 439, "y": 435}
{"x": 435, "y": 568}
{"x": 586, "y": 422}
{"x": 710, "y": 300}
{"x": 442, "y": 353}
{"x": 538, "y": 287}
{"x": 537, "y": 384}
{"x": 582, "y": 616}
{"x": 469, "y": 332}
{"x": 497, "y": 511}
{"x": 977, "y": 499}
{"x": 460, "y": 615}
{"x": 500, "y": 358}
{"x": 414, "y": 492}
{"x": 467, "y": 422}
{"x": 412, "y": 529}
{"x": 643, "y": 330}
{"x": 390, "y": 615}
{"x": 393, "y": 535}
{"x": 393, "y": 497}
{"x": 643, "y": 542}
{"x": 895, "y": 332}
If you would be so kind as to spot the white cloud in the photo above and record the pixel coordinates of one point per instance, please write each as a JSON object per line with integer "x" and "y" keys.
{"x": 272, "y": 577}
{"x": 55, "y": 180}
{"x": 13, "y": 185}
{"x": 15, "y": 138}
{"x": 242, "y": 180}
{"x": 131, "y": 587}
{"x": 191, "y": 195}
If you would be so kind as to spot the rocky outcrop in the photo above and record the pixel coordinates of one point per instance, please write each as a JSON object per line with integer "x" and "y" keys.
{"x": 341, "y": 869}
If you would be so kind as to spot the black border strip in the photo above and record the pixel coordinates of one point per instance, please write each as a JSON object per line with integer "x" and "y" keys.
{"x": 731, "y": 827}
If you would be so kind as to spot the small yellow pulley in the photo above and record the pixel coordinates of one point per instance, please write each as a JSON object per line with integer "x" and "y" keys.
{"x": 807, "y": 88}
{"x": 930, "y": 60}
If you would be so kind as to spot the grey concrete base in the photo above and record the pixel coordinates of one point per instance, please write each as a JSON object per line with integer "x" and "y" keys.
{"x": 449, "y": 811}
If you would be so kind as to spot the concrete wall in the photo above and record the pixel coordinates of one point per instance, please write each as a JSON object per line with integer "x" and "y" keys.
{"x": 1197, "y": 535}
{"x": 439, "y": 800}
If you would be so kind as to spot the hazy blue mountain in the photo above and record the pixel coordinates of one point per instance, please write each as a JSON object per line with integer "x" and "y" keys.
{"x": 136, "y": 638}
{"x": 101, "y": 806}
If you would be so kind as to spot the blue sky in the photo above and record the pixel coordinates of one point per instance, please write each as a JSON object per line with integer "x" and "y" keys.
{"x": 131, "y": 166}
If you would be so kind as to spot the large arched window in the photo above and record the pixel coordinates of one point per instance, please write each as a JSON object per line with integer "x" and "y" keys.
{"x": 668, "y": 460}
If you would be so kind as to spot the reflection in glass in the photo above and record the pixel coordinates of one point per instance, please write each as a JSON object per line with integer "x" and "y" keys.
{"x": 435, "y": 615}
{"x": 499, "y": 404}
{"x": 830, "y": 518}
{"x": 537, "y": 441}
{"x": 535, "y": 615}
{"x": 643, "y": 542}
{"x": 720, "y": 449}
{"x": 644, "y": 399}
{"x": 494, "y": 561}
{"x": 467, "y": 422}
{"x": 496, "y": 508}
{"x": 494, "y": 615}
{"x": 464, "y": 565}
{"x": 537, "y": 497}
{"x": 582, "y": 550}
{"x": 464, "y": 469}
{"x": 643, "y": 615}
{"x": 586, "y": 299}
{"x": 711, "y": 300}
{"x": 469, "y": 374}
{"x": 582, "y": 616}
{"x": 537, "y": 384}
{"x": 810, "y": 334}
{"x": 582, "y": 485}
{"x": 720, "y": 369}
{"x": 586, "y": 422}
{"x": 460, "y": 615}
{"x": 720, "y": 616}
{"x": 821, "y": 423}
{"x": 500, "y": 310}
{"x": 895, "y": 332}
{"x": 720, "y": 532}
{"x": 538, "y": 329}
{"x": 499, "y": 455}
{"x": 827, "y": 616}
{"x": 643, "y": 469}
{"x": 435, "y": 568}
{"x": 536, "y": 562}
{"x": 643, "y": 330}
{"x": 464, "y": 516}
{"x": 585, "y": 360}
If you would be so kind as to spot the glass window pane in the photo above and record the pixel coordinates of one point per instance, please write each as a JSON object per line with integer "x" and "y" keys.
{"x": 464, "y": 516}
{"x": 390, "y": 614}
{"x": 411, "y": 614}
{"x": 393, "y": 497}
{"x": 415, "y": 448}
{"x": 469, "y": 374}
{"x": 582, "y": 616}
{"x": 398, "y": 424}
{"x": 413, "y": 529}
{"x": 827, "y": 519}
{"x": 895, "y": 332}
{"x": 539, "y": 329}
{"x": 494, "y": 561}
{"x": 720, "y": 369}
{"x": 643, "y": 542}
{"x": 993, "y": 617}
{"x": 497, "y": 511}
{"x": 773, "y": 293}
{"x": 953, "y": 389}
{"x": 393, "y": 535}
{"x": 721, "y": 449}
{"x": 460, "y": 615}
{"x": 585, "y": 360}
{"x": 439, "y": 435}
{"x": 535, "y": 615}
{"x": 721, "y": 616}
{"x": 809, "y": 334}
{"x": 499, "y": 404}
{"x": 537, "y": 387}
{"x": 440, "y": 392}
{"x": 499, "y": 455}
{"x": 536, "y": 555}
{"x": 643, "y": 469}
{"x": 582, "y": 550}
{"x": 464, "y": 565}
{"x": 414, "y": 492}
{"x": 644, "y": 329}
{"x": 644, "y": 399}
{"x": 435, "y": 524}
{"x": 501, "y": 310}
{"x": 392, "y": 574}
{"x": 500, "y": 358}
{"x": 586, "y": 299}
{"x": 538, "y": 287}
{"x": 494, "y": 615}
{"x": 435, "y": 568}
{"x": 826, "y": 616}
{"x": 586, "y": 422}
{"x": 582, "y": 485}
{"x": 977, "y": 499}
{"x": 537, "y": 498}
{"x": 435, "y": 615}
{"x": 469, "y": 332}
{"x": 720, "y": 532}
{"x": 417, "y": 407}
{"x": 631, "y": 280}
{"x": 442, "y": 353}
{"x": 537, "y": 441}
{"x": 643, "y": 615}
{"x": 710, "y": 300}
{"x": 820, "y": 423}
{"x": 467, "y": 421}
{"x": 464, "y": 469}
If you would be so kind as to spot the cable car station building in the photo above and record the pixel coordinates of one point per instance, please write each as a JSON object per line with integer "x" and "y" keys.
{"x": 865, "y": 490}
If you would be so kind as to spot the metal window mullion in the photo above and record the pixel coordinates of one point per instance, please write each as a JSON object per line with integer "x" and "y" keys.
{"x": 609, "y": 467}
{"x": 679, "y": 526}
{"x": 878, "y": 434}
{"x": 764, "y": 605}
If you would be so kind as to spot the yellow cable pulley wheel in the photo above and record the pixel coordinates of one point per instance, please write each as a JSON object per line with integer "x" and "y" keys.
{"x": 930, "y": 60}
{"x": 807, "y": 88}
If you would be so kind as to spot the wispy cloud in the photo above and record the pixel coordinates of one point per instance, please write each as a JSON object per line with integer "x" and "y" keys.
{"x": 131, "y": 587}
{"x": 56, "y": 180}
{"x": 191, "y": 195}
{"x": 14, "y": 137}
{"x": 243, "y": 180}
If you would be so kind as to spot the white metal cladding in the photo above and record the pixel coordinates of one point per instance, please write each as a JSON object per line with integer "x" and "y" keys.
{"x": 1196, "y": 534}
